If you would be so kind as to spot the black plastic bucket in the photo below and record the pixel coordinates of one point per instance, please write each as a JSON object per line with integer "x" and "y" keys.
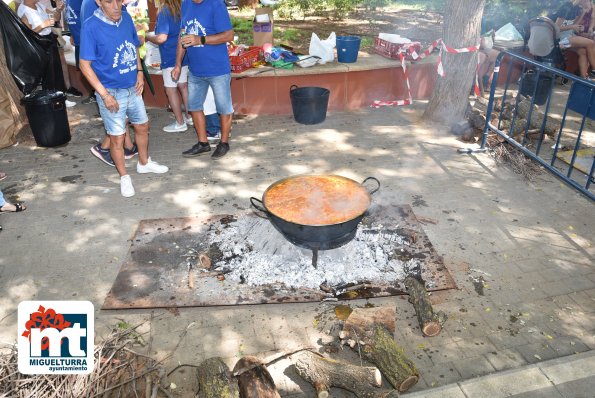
{"x": 528, "y": 83}
{"x": 309, "y": 104}
{"x": 46, "y": 111}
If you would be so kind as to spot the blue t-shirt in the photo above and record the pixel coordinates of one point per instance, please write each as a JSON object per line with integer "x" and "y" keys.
{"x": 72, "y": 14}
{"x": 88, "y": 7}
{"x": 112, "y": 50}
{"x": 206, "y": 18}
{"x": 167, "y": 24}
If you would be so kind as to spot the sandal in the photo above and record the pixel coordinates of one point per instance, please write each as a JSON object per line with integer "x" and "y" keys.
{"x": 2, "y": 176}
{"x": 18, "y": 208}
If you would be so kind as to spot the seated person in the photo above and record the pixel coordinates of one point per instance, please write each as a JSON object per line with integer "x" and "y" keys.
{"x": 567, "y": 17}
{"x": 487, "y": 60}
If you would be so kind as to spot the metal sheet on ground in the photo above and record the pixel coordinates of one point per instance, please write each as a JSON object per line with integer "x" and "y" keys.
{"x": 156, "y": 275}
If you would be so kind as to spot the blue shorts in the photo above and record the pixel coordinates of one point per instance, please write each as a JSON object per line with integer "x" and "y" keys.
{"x": 197, "y": 92}
{"x": 131, "y": 106}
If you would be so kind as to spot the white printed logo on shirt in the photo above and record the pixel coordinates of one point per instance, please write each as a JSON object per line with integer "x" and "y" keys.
{"x": 193, "y": 27}
{"x": 125, "y": 58}
{"x": 71, "y": 17}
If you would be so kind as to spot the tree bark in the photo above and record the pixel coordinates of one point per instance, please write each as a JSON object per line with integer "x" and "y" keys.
{"x": 324, "y": 373}
{"x": 430, "y": 322}
{"x": 215, "y": 380}
{"x": 396, "y": 367}
{"x": 10, "y": 90}
{"x": 255, "y": 381}
{"x": 462, "y": 25}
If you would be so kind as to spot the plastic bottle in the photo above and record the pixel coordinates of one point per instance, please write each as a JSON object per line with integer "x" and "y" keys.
{"x": 182, "y": 34}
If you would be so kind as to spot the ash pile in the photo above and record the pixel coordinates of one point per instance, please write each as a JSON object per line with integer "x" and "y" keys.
{"x": 249, "y": 250}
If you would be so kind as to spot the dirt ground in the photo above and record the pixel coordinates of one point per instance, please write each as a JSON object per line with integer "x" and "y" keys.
{"x": 416, "y": 25}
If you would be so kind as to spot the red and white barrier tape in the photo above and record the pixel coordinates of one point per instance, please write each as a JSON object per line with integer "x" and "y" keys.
{"x": 439, "y": 68}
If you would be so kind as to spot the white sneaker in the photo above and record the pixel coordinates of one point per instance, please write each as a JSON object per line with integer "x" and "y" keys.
{"x": 214, "y": 137}
{"x": 126, "y": 187}
{"x": 175, "y": 128}
{"x": 151, "y": 167}
{"x": 188, "y": 120}
{"x": 70, "y": 104}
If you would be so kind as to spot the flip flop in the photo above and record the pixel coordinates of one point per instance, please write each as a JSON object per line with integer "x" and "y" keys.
{"x": 18, "y": 208}
{"x": 2, "y": 176}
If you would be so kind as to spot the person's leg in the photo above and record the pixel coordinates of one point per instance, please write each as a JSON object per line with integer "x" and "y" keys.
{"x": 64, "y": 69}
{"x": 197, "y": 92}
{"x": 221, "y": 86}
{"x": 213, "y": 124}
{"x": 182, "y": 85}
{"x": 583, "y": 61}
{"x": 116, "y": 151}
{"x": 588, "y": 44}
{"x": 141, "y": 133}
{"x": 175, "y": 103}
{"x": 137, "y": 115}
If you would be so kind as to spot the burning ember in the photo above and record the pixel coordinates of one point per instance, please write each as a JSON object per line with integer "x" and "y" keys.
{"x": 253, "y": 252}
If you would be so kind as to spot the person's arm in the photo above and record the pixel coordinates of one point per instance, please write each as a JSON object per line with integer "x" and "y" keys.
{"x": 110, "y": 102}
{"x": 560, "y": 23}
{"x": 157, "y": 39}
{"x": 57, "y": 12}
{"x": 140, "y": 82}
{"x": 180, "y": 52}
{"x": 217, "y": 38}
{"x": 47, "y": 23}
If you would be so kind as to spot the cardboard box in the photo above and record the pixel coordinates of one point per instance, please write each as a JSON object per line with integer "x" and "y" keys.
{"x": 262, "y": 26}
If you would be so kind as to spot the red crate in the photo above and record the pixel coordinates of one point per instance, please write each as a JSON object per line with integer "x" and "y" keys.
{"x": 391, "y": 50}
{"x": 245, "y": 60}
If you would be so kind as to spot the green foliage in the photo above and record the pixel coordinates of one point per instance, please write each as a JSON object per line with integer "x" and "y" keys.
{"x": 366, "y": 42}
{"x": 498, "y": 13}
{"x": 243, "y": 29}
{"x": 302, "y": 8}
{"x": 289, "y": 35}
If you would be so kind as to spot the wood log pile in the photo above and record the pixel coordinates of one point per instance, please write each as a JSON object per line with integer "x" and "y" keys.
{"x": 369, "y": 332}
{"x": 529, "y": 119}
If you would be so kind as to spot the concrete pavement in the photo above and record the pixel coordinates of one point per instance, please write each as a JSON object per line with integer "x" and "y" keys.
{"x": 520, "y": 251}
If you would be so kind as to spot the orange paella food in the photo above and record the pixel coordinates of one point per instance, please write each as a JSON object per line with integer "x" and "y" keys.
{"x": 316, "y": 200}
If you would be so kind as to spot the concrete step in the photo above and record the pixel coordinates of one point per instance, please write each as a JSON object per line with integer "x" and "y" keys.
{"x": 566, "y": 377}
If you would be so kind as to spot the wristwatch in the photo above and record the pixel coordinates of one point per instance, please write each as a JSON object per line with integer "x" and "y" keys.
{"x": 203, "y": 40}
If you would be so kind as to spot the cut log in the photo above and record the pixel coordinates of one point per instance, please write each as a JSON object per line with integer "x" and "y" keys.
{"x": 324, "y": 373}
{"x": 361, "y": 321}
{"x": 215, "y": 380}
{"x": 256, "y": 381}
{"x": 382, "y": 350}
{"x": 429, "y": 322}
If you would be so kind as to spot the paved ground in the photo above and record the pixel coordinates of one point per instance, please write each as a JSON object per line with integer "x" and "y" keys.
{"x": 521, "y": 252}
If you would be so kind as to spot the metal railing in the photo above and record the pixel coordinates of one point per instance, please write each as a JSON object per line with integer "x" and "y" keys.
{"x": 548, "y": 121}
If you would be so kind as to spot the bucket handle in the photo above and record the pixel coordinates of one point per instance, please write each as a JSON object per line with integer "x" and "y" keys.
{"x": 258, "y": 205}
{"x": 58, "y": 105}
{"x": 375, "y": 180}
{"x": 292, "y": 87}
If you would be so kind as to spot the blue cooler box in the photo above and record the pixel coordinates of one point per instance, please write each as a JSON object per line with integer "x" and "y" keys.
{"x": 578, "y": 99}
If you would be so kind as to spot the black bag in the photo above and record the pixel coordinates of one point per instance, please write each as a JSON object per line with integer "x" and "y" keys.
{"x": 31, "y": 59}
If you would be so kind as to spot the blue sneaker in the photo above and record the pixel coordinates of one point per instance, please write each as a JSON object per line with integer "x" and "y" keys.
{"x": 102, "y": 154}
{"x": 130, "y": 153}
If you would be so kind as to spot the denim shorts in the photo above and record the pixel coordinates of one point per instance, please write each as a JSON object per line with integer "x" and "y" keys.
{"x": 197, "y": 92}
{"x": 131, "y": 106}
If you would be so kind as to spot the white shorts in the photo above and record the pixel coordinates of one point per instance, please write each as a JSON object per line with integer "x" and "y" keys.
{"x": 168, "y": 82}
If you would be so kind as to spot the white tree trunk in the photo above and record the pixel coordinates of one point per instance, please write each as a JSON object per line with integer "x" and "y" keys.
{"x": 462, "y": 28}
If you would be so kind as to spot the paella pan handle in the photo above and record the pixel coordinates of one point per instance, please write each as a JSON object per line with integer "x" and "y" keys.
{"x": 375, "y": 180}
{"x": 257, "y": 204}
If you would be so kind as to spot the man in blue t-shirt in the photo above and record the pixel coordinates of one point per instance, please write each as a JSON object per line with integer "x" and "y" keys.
{"x": 205, "y": 30}
{"x": 110, "y": 62}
